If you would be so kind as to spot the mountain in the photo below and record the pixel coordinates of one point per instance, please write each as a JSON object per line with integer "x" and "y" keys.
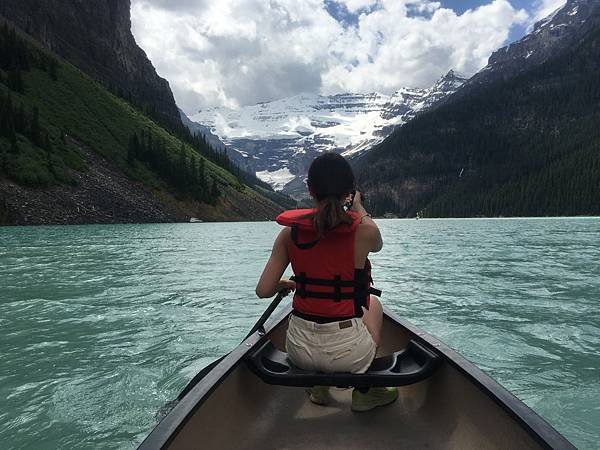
{"x": 199, "y": 129}
{"x": 72, "y": 152}
{"x": 246, "y": 176}
{"x": 557, "y": 32}
{"x": 520, "y": 138}
{"x": 279, "y": 139}
{"x": 95, "y": 36}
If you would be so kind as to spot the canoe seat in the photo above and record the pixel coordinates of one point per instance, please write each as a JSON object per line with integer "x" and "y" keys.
{"x": 410, "y": 365}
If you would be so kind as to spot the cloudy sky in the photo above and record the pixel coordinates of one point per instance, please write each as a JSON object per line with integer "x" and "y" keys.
{"x": 240, "y": 52}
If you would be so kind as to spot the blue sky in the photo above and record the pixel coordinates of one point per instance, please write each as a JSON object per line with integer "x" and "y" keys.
{"x": 341, "y": 13}
{"x": 461, "y": 6}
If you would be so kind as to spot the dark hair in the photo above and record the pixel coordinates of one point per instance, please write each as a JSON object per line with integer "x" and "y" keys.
{"x": 330, "y": 178}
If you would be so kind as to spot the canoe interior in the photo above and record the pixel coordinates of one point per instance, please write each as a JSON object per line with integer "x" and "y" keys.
{"x": 444, "y": 411}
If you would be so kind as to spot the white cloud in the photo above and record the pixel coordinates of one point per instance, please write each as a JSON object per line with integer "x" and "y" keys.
{"x": 543, "y": 8}
{"x": 413, "y": 51}
{"x": 237, "y": 52}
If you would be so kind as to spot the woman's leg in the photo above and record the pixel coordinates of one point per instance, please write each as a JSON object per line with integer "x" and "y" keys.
{"x": 375, "y": 396}
{"x": 373, "y": 319}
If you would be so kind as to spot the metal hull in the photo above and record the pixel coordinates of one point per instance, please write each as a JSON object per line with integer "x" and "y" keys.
{"x": 458, "y": 407}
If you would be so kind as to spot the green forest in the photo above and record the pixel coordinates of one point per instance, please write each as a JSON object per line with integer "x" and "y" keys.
{"x": 527, "y": 146}
{"x": 48, "y": 108}
{"x": 185, "y": 172}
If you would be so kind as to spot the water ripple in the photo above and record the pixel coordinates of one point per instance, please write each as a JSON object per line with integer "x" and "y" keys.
{"x": 102, "y": 325}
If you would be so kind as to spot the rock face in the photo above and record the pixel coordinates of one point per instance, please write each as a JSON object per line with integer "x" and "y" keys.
{"x": 559, "y": 31}
{"x": 278, "y": 140}
{"x": 95, "y": 36}
{"x": 102, "y": 194}
{"x": 197, "y": 128}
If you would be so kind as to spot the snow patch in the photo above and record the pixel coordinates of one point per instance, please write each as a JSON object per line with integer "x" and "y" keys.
{"x": 277, "y": 178}
{"x": 311, "y": 123}
{"x": 542, "y": 23}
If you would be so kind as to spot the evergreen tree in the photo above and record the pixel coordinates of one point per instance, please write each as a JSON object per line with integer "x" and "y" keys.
{"x": 132, "y": 150}
{"x": 214, "y": 191}
{"x": 47, "y": 143}
{"x": 35, "y": 130}
{"x": 52, "y": 69}
{"x": 3, "y": 161}
{"x": 15, "y": 81}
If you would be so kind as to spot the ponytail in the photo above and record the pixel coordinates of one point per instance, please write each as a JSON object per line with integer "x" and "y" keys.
{"x": 329, "y": 214}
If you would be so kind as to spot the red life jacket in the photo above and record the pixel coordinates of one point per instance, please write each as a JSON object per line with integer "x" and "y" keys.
{"x": 327, "y": 284}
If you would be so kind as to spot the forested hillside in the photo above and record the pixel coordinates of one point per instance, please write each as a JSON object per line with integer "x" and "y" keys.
{"x": 50, "y": 110}
{"x": 96, "y": 37}
{"x": 522, "y": 146}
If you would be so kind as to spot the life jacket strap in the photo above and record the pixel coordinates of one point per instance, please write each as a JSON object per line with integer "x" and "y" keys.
{"x": 361, "y": 278}
{"x": 297, "y": 243}
{"x": 303, "y": 279}
{"x": 360, "y": 292}
{"x": 337, "y": 294}
{"x": 319, "y": 319}
{"x": 374, "y": 291}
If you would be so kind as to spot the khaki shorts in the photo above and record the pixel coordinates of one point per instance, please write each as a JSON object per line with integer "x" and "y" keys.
{"x": 345, "y": 346}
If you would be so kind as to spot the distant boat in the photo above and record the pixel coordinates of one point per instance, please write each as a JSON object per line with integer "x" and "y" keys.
{"x": 195, "y": 220}
{"x": 252, "y": 398}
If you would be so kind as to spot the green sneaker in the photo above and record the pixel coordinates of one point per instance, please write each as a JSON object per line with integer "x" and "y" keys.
{"x": 374, "y": 397}
{"x": 319, "y": 395}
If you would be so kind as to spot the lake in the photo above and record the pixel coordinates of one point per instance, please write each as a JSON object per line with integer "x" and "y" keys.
{"x": 102, "y": 325}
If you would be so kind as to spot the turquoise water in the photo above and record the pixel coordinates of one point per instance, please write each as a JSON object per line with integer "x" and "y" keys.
{"x": 101, "y": 325}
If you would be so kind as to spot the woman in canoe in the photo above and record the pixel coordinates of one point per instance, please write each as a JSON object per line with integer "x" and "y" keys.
{"x": 336, "y": 323}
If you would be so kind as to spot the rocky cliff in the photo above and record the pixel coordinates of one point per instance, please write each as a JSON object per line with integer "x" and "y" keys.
{"x": 95, "y": 36}
{"x": 560, "y": 31}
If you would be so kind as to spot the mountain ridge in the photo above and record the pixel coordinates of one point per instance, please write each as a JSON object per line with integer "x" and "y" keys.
{"x": 278, "y": 139}
{"x": 550, "y": 35}
{"x": 95, "y": 36}
{"x": 523, "y": 142}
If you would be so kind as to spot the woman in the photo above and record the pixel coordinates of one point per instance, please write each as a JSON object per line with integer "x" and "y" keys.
{"x": 336, "y": 324}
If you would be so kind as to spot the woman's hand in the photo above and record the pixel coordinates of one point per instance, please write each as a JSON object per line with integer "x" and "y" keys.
{"x": 286, "y": 286}
{"x": 357, "y": 204}
{"x": 370, "y": 233}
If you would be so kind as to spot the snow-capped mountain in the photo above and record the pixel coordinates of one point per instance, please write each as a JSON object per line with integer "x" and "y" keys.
{"x": 560, "y": 30}
{"x": 278, "y": 140}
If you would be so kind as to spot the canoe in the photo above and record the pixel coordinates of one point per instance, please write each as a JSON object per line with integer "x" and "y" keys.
{"x": 253, "y": 398}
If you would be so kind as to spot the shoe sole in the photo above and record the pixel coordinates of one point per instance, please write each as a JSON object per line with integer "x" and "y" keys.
{"x": 370, "y": 407}
{"x": 316, "y": 401}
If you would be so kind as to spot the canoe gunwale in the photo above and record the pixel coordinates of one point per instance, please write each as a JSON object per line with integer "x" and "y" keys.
{"x": 544, "y": 433}
{"x": 166, "y": 430}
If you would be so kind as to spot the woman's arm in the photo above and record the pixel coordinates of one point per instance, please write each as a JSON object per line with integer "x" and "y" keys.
{"x": 369, "y": 229}
{"x": 270, "y": 281}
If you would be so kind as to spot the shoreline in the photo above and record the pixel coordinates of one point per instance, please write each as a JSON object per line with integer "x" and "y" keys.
{"x": 56, "y": 224}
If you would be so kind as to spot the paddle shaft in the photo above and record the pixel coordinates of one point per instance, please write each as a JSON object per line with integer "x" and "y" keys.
{"x": 261, "y": 321}
{"x": 257, "y": 326}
